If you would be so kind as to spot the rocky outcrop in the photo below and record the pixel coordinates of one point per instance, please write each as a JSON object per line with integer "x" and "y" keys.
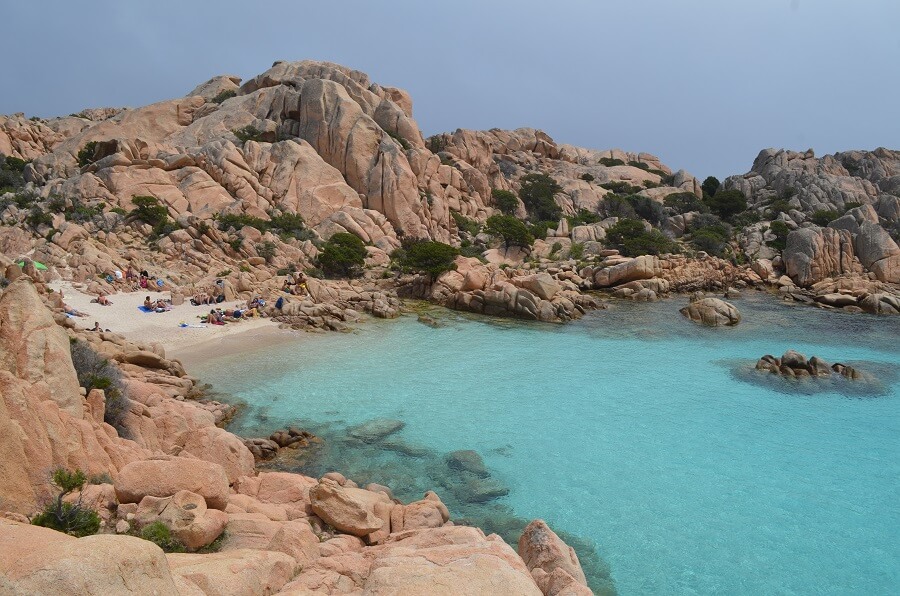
{"x": 794, "y": 364}
{"x": 186, "y": 515}
{"x": 166, "y": 477}
{"x": 813, "y": 254}
{"x": 643, "y": 267}
{"x": 552, "y": 562}
{"x": 712, "y": 312}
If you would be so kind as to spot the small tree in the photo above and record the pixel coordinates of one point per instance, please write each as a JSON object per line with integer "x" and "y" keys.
{"x": 632, "y": 239}
{"x": 343, "y": 255}
{"x": 509, "y": 229}
{"x": 149, "y": 210}
{"x": 71, "y": 518}
{"x": 823, "y": 217}
{"x": 684, "y": 202}
{"x": 727, "y": 203}
{"x": 710, "y": 186}
{"x": 505, "y": 201}
{"x": 537, "y": 194}
{"x": 96, "y": 372}
{"x": 427, "y": 256}
{"x": 780, "y": 231}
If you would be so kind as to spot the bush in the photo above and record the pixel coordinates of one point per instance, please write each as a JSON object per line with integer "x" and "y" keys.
{"x": 403, "y": 142}
{"x": 343, "y": 255}
{"x": 617, "y": 206}
{"x": 510, "y": 230}
{"x": 13, "y": 164}
{"x": 222, "y": 96}
{"x": 539, "y": 229}
{"x": 576, "y": 251}
{"x": 610, "y": 162}
{"x": 587, "y": 177}
{"x": 96, "y": 372}
{"x": 159, "y": 534}
{"x": 777, "y": 206}
{"x": 684, "y": 202}
{"x": 557, "y": 246}
{"x": 87, "y": 154}
{"x": 150, "y": 211}
{"x": 710, "y": 186}
{"x": 621, "y": 187}
{"x": 38, "y": 217}
{"x": 583, "y": 217}
{"x": 639, "y": 164}
{"x": 537, "y": 194}
{"x": 266, "y": 250}
{"x": 505, "y": 201}
{"x": 248, "y": 133}
{"x": 727, "y": 203}
{"x": 464, "y": 224}
{"x": 852, "y": 205}
{"x": 239, "y": 220}
{"x": 632, "y": 239}
{"x": 709, "y": 234}
{"x": 781, "y": 231}
{"x": 432, "y": 258}
{"x": 823, "y": 217}
{"x": 647, "y": 208}
{"x": 71, "y": 518}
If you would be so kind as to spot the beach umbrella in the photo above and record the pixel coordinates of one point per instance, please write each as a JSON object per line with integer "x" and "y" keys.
{"x": 37, "y": 265}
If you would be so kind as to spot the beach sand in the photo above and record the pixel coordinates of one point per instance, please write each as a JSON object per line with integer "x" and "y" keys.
{"x": 191, "y": 345}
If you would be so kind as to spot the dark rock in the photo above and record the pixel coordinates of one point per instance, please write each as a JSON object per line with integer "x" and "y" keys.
{"x": 467, "y": 460}
{"x": 375, "y": 430}
{"x": 793, "y": 359}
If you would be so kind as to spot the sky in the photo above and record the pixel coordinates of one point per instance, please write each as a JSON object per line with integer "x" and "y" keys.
{"x": 703, "y": 84}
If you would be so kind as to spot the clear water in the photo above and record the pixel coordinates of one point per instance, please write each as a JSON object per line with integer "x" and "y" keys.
{"x": 647, "y": 438}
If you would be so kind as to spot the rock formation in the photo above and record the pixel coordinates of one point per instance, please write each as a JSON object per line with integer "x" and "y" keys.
{"x": 712, "y": 312}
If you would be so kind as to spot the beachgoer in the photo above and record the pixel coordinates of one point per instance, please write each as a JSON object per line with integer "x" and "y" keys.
{"x": 103, "y": 300}
{"x": 96, "y": 327}
{"x": 147, "y": 303}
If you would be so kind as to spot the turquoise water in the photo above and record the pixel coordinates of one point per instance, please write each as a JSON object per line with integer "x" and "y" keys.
{"x": 646, "y": 438}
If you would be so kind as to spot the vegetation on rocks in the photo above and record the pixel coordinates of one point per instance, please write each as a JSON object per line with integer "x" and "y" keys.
{"x": 11, "y": 178}
{"x": 343, "y": 255}
{"x": 427, "y": 256}
{"x": 69, "y": 517}
{"x": 537, "y": 194}
{"x": 505, "y": 201}
{"x": 222, "y": 96}
{"x": 710, "y": 186}
{"x": 464, "y": 224}
{"x": 632, "y": 239}
{"x": 96, "y": 372}
{"x": 610, "y": 162}
{"x": 822, "y": 217}
{"x": 159, "y": 534}
{"x": 727, "y": 203}
{"x": 510, "y": 230}
{"x": 684, "y": 202}
{"x": 248, "y": 133}
{"x": 780, "y": 230}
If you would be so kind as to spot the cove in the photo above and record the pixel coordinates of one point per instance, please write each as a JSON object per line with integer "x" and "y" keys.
{"x": 647, "y": 439}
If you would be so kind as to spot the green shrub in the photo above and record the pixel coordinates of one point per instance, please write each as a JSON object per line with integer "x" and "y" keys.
{"x": 464, "y": 224}
{"x": 710, "y": 186}
{"x": 727, "y": 203}
{"x": 159, "y": 534}
{"x": 576, "y": 251}
{"x": 747, "y": 218}
{"x": 583, "y": 217}
{"x": 223, "y": 95}
{"x": 343, "y": 255}
{"x": 610, "y": 162}
{"x": 149, "y": 210}
{"x": 96, "y": 372}
{"x": 822, "y": 217}
{"x": 632, "y": 239}
{"x": 436, "y": 143}
{"x": 557, "y": 246}
{"x": 315, "y": 272}
{"x": 621, "y": 187}
{"x": 711, "y": 239}
{"x": 539, "y": 229}
{"x": 71, "y": 518}
{"x": 248, "y": 133}
{"x": 87, "y": 154}
{"x": 781, "y": 231}
{"x": 851, "y": 205}
{"x": 13, "y": 164}
{"x": 537, "y": 194}
{"x": 587, "y": 177}
{"x": 403, "y": 142}
{"x": 505, "y": 201}
{"x": 266, "y": 250}
{"x": 239, "y": 220}
{"x": 617, "y": 206}
{"x": 429, "y": 257}
{"x": 639, "y": 164}
{"x": 38, "y": 217}
{"x": 236, "y": 243}
{"x": 777, "y": 206}
{"x": 510, "y": 230}
{"x": 684, "y": 202}
{"x": 647, "y": 208}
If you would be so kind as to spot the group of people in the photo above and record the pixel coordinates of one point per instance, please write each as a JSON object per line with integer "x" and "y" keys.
{"x": 295, "y": 285}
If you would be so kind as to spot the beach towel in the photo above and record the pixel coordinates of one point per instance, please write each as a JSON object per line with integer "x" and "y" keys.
{"x": 194, "y": 326}
{"x": 143, "y": 308}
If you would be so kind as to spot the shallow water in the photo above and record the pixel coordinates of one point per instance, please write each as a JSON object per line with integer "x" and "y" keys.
{"x": 644, "y": 435}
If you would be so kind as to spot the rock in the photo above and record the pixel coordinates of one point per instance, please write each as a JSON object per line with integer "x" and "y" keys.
{"x": 186, "y": 515}
{"x": 712, "y": 312}
{"x": 813, "y": 254}
{"x": 878, "y": 252}
{"x": 793, "y": 359}
{"x": 165, "y": 477}
{"x": 540, "y": 284}
{"x": 643, "y": 267}
{"x": 375, "y": 430}
{"x": 763, "y": 268}
{"x": 236, "y": 572}
{"x": 467, "y": 460}
{"x": 541, "y": 548}
{"x": 349, "y": 510}
{"x": 819, "y": 367}
{"x": 36, "y": 560}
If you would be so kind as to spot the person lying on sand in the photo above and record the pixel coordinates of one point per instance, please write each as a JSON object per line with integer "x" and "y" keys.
{"x": 162, "y": 306}
{"x": 202, "y": 298}
{"x": 102, "y": 300}
{"x": 72, "y": 312}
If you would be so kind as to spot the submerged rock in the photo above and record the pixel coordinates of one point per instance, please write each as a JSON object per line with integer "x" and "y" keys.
{"x": 375, "y": 430}
{"x": 467, "y": 460}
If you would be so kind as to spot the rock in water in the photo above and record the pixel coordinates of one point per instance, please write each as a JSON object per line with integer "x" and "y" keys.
{"x": 467, "y": 460}
{"x": 375, "y": 430}
{"x": 712, "y": 312}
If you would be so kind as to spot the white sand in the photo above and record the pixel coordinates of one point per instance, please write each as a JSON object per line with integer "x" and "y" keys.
{"x": 186, "y": 343}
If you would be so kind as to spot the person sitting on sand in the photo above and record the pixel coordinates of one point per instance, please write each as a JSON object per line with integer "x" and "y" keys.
{"x": 96, "y": 327}
{"x": 148, "y": 304}
{"x": 102, "y": 300}
{"x": 215, "y": 317}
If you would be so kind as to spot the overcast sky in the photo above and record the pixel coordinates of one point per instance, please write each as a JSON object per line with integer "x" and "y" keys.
{"x": 704, "y": 84}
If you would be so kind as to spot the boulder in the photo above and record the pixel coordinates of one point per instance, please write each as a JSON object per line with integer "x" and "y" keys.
{"x": 712, "y": 312}
{"x": 541, "y": 548}
{"x": 643, "y": 267}
{"x": 235, "y": 572}
{"x": 165, "y": 477}
{"x": 375, "y": 430}
{"x": 186, "y": 515}
{"x": 812, "y": 254}
{"x": 540, "y": 284}
{"x": 349, "y": 510}
{"x": 467, "y": 460}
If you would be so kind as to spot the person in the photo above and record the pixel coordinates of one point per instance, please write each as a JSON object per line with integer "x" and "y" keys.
{"x": 286, "y": 287}
{"x": 72, "y": 312}
{"x": 130, "y": 275}
{"x": 96, "y": 327}
{"x": 148, "y": 304}
{"x": 215, "y": 317}
{"x": 103, "y": 300}
{"x": 144, "y": 281}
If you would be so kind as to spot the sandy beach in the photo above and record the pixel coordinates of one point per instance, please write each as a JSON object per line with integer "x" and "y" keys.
{"x": 189, "y": 344}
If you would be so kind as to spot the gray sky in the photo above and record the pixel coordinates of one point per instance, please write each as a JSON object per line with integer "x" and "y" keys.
{"x": 704, "y": 84}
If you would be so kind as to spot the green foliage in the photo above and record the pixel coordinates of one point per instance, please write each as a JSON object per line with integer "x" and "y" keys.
{"x": 727, "y": 203}
{"x": 583, "y": 217}
{"x": 781, "y": 231}
{"x": 426, "y": 256}
{"x": 160, "y": 535}
{"x": 236, "y": 243}
{"x": 71, "y": 518}
{"x": 851, "y": 205}
{"x": 96, "y": 372}
{"x": 557, "y": 246}
{"x": 710, "y": 235}
{"x": 505, "y": 201}
{"x": 639, "y": 164}
{"x": 539, "y": 229}
{"x": 747, "y": 218}
{"x": 38, "y": 217}
{"x": 632, "y": 239}
{"x": 286, "y": 225}
{"x": 576, "y": 251}
{"x": 587, "y": 177}
{"x": 239, "y": 220}
{"x": 342, "y": 255}
{"x": 617, "y": 206}
{"x": 101, "y": 478}
{"x": 436, "y": 143}
{"x": 13, "y": 164}
{"x": 621, "y": 187}
{"x": 87, "y": 154}
{"x": 464, "y": 224}
{"x": 684, "y": 202}
{"x": 822, "y": 217}
{"x": 471, "y": 251}
{"x": 778, "y": 206}
{"x": 647, "y": 208}
{"x": 223, "y": 95}
{"x": 266, "y": 250}
{"x": 710, "y": 186}
{"x": 315, "y": 272}
{"x": 149, "y": 210}
{"x": 510, "y": 230}
{"x": 537, "y": 194}
{"x": 248, "y": 133}
{"x": 403, "y": 142}
{"x": 610, "y": 162}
